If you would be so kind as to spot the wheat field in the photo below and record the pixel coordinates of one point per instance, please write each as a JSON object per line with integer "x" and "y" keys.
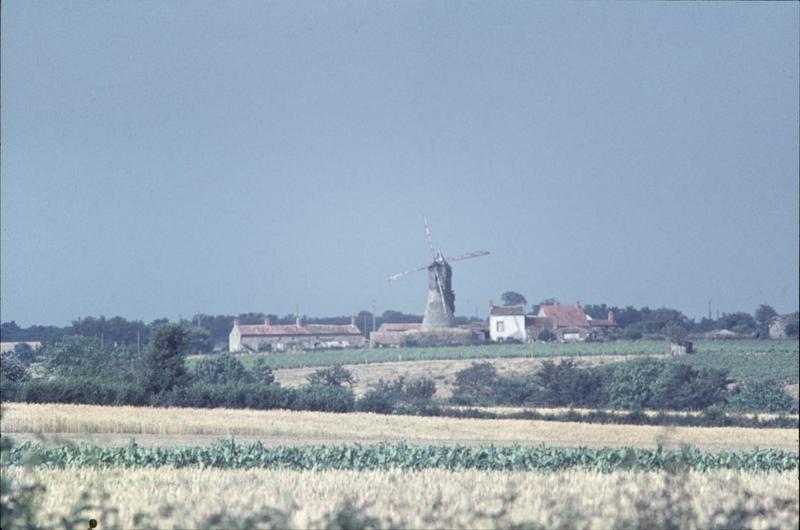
{"x": 174, "y": 426}
{"x": 187, "y": 498}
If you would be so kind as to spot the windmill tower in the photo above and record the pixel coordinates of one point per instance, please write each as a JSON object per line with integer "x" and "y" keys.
{"x": 440, "y": 309}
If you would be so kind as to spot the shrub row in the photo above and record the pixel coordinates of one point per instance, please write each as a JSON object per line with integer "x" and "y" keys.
{"x": 230, "y": 395}
{"x": 632, "y": 385}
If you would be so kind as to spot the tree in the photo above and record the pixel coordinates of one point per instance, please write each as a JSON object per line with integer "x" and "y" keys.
{"x": 262, "y": 372}
{"x": 513, "y": 298}
{"x": 336, "y": 375}
{"x": 675, "y": 332}
{"x": 764, "y": 314}
{"x": 24, "y": 353}
{"x": 545, "y": 335}
{"x": 199, "y": 340}
{"x": 474, "y": 385}
{"x": 163, "y": 363}
{"x": 222, "y": 369}
{"x": 12, "y": 369}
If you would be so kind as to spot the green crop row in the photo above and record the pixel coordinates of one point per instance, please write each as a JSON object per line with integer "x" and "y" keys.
{"x": 230, "y": 455}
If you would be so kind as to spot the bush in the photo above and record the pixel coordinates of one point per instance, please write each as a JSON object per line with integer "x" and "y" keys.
{"x": 330, "y": 398}
{"x": 224, "y": 368}
{"x": 545, "y": 336}
{"x": 262, "y": 372}
{"x": 632, "y": 333}
{"x": 335, "y": 375}
{"x": 564, "y": 385}
{"x": 631, "y": 386}
{"x": 385, "y": 397}
{"x": 13, "y": 369}
{"x": 765, "y": 395}
{"x": 681, "y": 387}
{"x": 475, "y": 385}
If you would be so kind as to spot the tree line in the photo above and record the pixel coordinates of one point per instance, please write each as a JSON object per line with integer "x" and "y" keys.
{"x": 209, "y": 332}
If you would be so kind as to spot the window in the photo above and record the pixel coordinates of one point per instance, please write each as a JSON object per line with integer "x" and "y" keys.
{"x": 500, "y": 326}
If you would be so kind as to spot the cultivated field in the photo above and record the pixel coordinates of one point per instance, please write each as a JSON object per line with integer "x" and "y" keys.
{"x": 488, "y": 351}
{"x": 182, "y": 426}
{"x": 202, "y": 498}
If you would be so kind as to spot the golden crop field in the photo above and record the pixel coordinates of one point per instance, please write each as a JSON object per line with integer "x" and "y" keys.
{"x": 187, "y": 498}
{"x": 179, "y": 426}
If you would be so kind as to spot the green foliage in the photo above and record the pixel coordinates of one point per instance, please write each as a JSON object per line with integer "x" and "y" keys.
{"x": 675, "y": 331}
{"x": 12, "y": 369}
{"x": 565, "y": 385}
{"x": 230, "y": 455}
{"x": 222, "y": 369}
{"x": 335, "y": 375}
{"x": 262, "y": 373}
{"x": 475, "y": 385}
{"x": 765, "y": 395}
{"x": 199, "y": 340}
{"x": 632, "y": 384}
{"x": 632, "y": 333}
{"x": 385, "y": 397}
{"x": 682, "y": 387}
{"x": 24, "y": 353}
{"x": 546, "y": 336}
{"x": 163, "y": 364}
{"x": 513, "y": 298}
{"x": 764, "y": 313}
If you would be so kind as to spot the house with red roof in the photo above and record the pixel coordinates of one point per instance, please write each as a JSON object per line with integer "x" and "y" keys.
{"x": 297, "y": 336}
{"x": 567, "y": 323}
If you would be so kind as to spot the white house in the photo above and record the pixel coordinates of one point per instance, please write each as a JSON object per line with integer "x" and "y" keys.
{"x": 507, "y": 323}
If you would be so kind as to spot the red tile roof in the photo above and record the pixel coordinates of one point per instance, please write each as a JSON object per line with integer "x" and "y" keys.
{"x": 262, "y": 330}
{"x": 564, "y": 315}
{"x": 393, "y": 326}
{"x": 507, "y": 310}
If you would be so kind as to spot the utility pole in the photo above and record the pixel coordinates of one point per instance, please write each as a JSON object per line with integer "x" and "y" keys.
{"x": 709, "y": 309}
{"x": 373, "y": 314}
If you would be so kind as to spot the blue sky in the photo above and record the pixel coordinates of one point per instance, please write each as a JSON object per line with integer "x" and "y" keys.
{"x": 169, "y": 158}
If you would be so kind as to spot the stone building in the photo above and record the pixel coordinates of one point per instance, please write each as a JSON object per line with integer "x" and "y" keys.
{"x": 778, "y": 326}
{"x": 507, "y": 323}
{"x": 568, "y": 323}
{"x": 391, "y": 335}
{"x": 297, "y": 336}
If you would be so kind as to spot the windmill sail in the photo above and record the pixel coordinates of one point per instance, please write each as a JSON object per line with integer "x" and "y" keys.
{"x": 440, "y": 308}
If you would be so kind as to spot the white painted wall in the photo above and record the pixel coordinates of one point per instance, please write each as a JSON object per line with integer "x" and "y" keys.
{"x": 507, "y": 327}
{"x": 235, "y": 340}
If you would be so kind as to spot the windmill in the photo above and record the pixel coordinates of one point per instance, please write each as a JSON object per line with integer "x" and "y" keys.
{"x": 441, "y": 298}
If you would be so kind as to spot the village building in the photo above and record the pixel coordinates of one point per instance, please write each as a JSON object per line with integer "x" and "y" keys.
{"x": 507, "y": 323}
{"x": 391, "y": 335}
{"x": 567, "y": 323}
{"x": 6, "y": 347}
{"x": 778, "y": 326}
{"x": 297, "y": 336}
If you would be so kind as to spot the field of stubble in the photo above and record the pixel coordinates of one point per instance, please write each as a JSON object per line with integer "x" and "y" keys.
{"x": 202, "y": 498}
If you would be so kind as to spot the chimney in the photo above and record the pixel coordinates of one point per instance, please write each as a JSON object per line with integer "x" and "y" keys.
{"x": 298, "y": 322}
{"x": 578, "y": 304}
{"x": 236, "y": 322}
{"x": 610, "y": 316}
{"x": 352, "y": 320}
